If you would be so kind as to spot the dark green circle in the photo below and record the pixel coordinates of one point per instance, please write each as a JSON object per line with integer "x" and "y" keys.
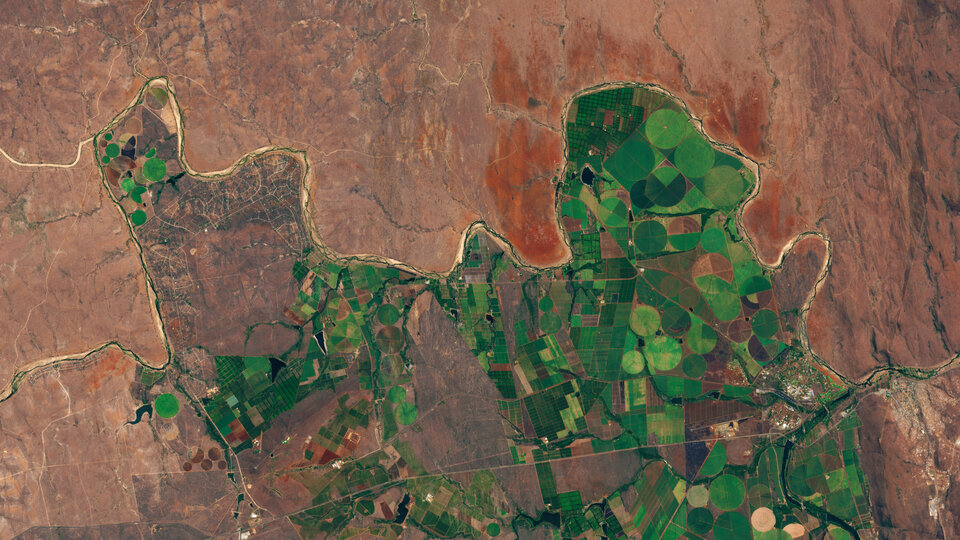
{"x": 397, "y": 394}
{"x": 665, "y": 128}
{"x": 108, "y": 136}
{"x": 405, "y": 413}
{"x": 493, "y": 529}
{"x": 675, "y": 320}
{"x": 138, "y": 218}
{"x": 667, "y": 189}
{"x": 105, "y": 160}
{"x": 154, "y": 169}
{"x": 700, "y": 520}
{"x": 694, "y": 366}
{"x": 631, "y": 162}
{"x": 731, "y": 526}
{"x": 546, "y": 303}
{"x": 638, "y": 194}
{"x": 166, "y": 405}
{"x": 754, "y": 285}
{"x": 694, "y": 157}
{"x": 650, "y": 237}
{"x": 112, "y": 150}
{"x": 765, "y": 323}
{"x": 727, "y": 492}
{"x": 713, "y": 240}
{"x": 550, "y": 322}
{"x": 151, "y": 152}
{"x": 388, "y": 314}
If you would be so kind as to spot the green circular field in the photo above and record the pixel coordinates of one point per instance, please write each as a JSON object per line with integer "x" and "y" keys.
{"x": 137, "y": 194}
{"x": 154, "y": 169}
{"x": 675, "y": 320}
{"x": 397, "y": 394}
{"x": 546, "y": 303}
{"x": 631, "y": 162}
{"x": 112, "y": 150}
{"x": 550, "y": 322}
{"x": 698, "y": 496}
{"x": 700, "y": 520}
{"x": 731, "y": 526}
{"x": 694, "y": 157}
{"x": 389, "y": 339}
{"x": 669, "y": 188}
{"x": 632, "y": 362}
{"x": 388, "y": 314}
{"x": 836, "y": 533}
{"x": 701, "y": 338}
{"x": 493, "y": 529}
{"x": 138, "y": 217}
{"x": 775, "y": 534}
{"x": 663, "y": 353}
{"x": 694, "y": 366}
{"x": 650, "y": 237}
{"x": 754, "y": 285}
{"x": 684, "y": 241}
{"x": 765, "y": 323}
{"x": 405, "y": 413}
{"x": 716, "y": 460}
{"x": 665, "y": 128}
{"x": 721, "y": 296}
{"x": 166, "y": 405}
{"x": 724, "y": 186}
{"x": 727, "y": 492}
{"x": 713, "y": 240}
{"x": 644, "y": 320}
{"x": 613, "y": 212}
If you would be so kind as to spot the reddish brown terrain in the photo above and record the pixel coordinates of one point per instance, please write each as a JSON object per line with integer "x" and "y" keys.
{"x": 71, "y": 277}
{"x": 71, "y": 458}
{"x": 419, "y": 119}
{"x": 849, "y": 109}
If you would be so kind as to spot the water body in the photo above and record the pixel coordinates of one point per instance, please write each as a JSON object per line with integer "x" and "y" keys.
{"x": 402, "y": 509}
{"x": 587, "y": 176}
{"x": 144, "y": 409}
{"x": 321, "y": 341}
{"x": 275, "y": 366}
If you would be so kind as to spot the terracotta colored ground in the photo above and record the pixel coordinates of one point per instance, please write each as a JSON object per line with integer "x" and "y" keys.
{"x": 406, "y": 116}
{"x": 71, "y": 279}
